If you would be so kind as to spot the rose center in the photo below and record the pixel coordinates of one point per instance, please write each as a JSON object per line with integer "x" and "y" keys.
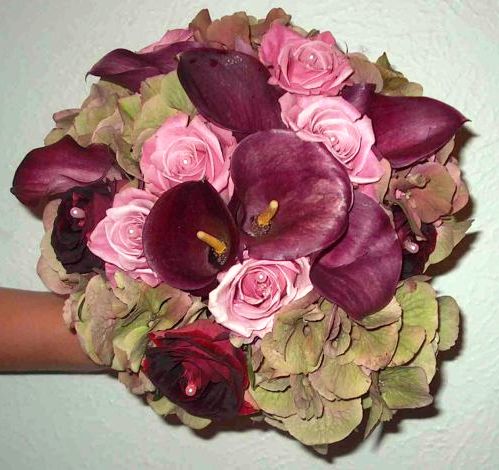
{"x": 314, "y": 56}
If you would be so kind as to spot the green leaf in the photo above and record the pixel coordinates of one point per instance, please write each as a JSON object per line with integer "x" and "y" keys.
{"x": 161, "y": 406}
{"x": 404, "y": 387}
{"x": 379, "y": 412}
{"x": 154, "y": 112}
{"x": 130, "y": 106}
{"x": 340, "y": 338}
{"x": 448, "y": 330}
{"x": 449, "y": 234}
{"x": 129, "y": 346}
{"x": 340, "y": 418}
{"x": 344, "y": 381}
{"x": 394, "y": 83}
{"x": 274, "y": 403}
{"x": 307, "y": 401}
{"x": 427, "y": 360}
{"x": 390, "y": 314}
{"x": 278, "y": 384}
{"x": 162, "y": 97}
{"x": 373, "y": 349}
{"x": 194, "y": 422}
{"x": 419, "y": 306}
{"x": 410, "y": 341}
{"x": 295, "y": 345}
{"x": 174, "y": 94}
{"x": 99, "y": 315}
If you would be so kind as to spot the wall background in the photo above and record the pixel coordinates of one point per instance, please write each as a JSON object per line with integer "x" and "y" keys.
{"x": 80, "y": 422}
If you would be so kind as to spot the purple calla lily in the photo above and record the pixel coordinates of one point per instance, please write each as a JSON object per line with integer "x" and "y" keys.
{"x": 54, "y": 169}
{"x": 190, "y": 236}
{"x": 129, "y": 69}
{"x": 230, "y": 89}
{"x": 407, "y": 129}
{"x": 360, "y": 273}
{"x": 307, "y": 192}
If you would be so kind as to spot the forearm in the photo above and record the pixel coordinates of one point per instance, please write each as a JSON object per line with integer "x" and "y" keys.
{"x": 33, "y": 336}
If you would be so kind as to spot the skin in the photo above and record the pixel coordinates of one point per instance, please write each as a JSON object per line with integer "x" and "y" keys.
{"x": 33, "y": 336}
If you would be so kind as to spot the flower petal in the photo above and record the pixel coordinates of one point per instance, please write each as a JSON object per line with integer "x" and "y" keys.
{"x": 360, "y": 273}
{"x": 129, "y": 69}
{"x": 312, "y": 189}
{"x": 171, "y": 246}
{"x": 407, "y": 129}
{"x": 52, "y": 170}
{"x": 230, "y": 89}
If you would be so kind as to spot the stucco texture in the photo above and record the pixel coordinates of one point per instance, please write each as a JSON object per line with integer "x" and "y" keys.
{"x": 90, "y": 421}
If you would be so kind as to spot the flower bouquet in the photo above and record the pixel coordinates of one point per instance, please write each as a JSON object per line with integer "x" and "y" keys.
{"x": 241, "y": 215}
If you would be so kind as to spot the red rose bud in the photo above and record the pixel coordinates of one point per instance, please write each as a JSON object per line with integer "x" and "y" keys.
{"x": 80, "y": 210}
{"x": 197, "y": 368}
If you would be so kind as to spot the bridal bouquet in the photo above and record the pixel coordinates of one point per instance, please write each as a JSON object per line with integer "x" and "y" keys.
{"x": 241, "y": 215}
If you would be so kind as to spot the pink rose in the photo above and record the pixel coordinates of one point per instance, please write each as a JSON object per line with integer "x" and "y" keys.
{"x": 308, "y": 66}
{"x": 187, "y": 151}
{"x": 117, "y": 239}
{"x": 340, "y": 127}
{"x": 170, "y": 37}
{"x": 249, "y": 294}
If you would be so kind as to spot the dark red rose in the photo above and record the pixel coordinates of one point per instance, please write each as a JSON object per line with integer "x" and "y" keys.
{"x": 197, "y": 368}
{"x": 80, "y": 210}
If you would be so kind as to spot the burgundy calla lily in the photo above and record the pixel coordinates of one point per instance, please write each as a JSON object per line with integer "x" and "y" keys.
{"x": 189, "y": 236}
{"x": 407, "y": 129}
{"x": 360, "y": 273}
{"x": 230, "y": 89}
{"x": 129, "y": 69}
{"x": 292, "y": 197}
{"x": 52, "y": 170}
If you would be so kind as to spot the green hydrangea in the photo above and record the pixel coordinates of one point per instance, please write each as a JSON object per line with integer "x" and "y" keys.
{"x": 319, "y": 391}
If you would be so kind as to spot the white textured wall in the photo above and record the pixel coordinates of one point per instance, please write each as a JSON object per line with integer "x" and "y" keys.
{"x": 80, "y": 422}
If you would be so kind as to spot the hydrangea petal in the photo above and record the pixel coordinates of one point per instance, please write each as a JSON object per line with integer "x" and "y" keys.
{"x": 360, "y": 272}
{"x": 230, "y": 89}
{"x": 171, "y": 246}
{"x": 129, "y": 69}
{"x": 312, "y": 189}
{"x": 407, "y": 129}
{"x": 54, "y": 169}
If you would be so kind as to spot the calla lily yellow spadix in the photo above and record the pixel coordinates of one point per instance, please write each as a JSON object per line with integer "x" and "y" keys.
{"x": 264, "y": 219}
{"x": 218, "y": 246}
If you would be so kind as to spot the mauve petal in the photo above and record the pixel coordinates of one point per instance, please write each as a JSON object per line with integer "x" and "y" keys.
{"x": 313, "y": 191}
{"x": 129, "y": 69}
{"x": 230, "y": 89}
{"x": 171, "y": 246}
{"x": 407, "y": 129}
{"x": 54, "y": 169}
{"x": 360, "y": 273}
